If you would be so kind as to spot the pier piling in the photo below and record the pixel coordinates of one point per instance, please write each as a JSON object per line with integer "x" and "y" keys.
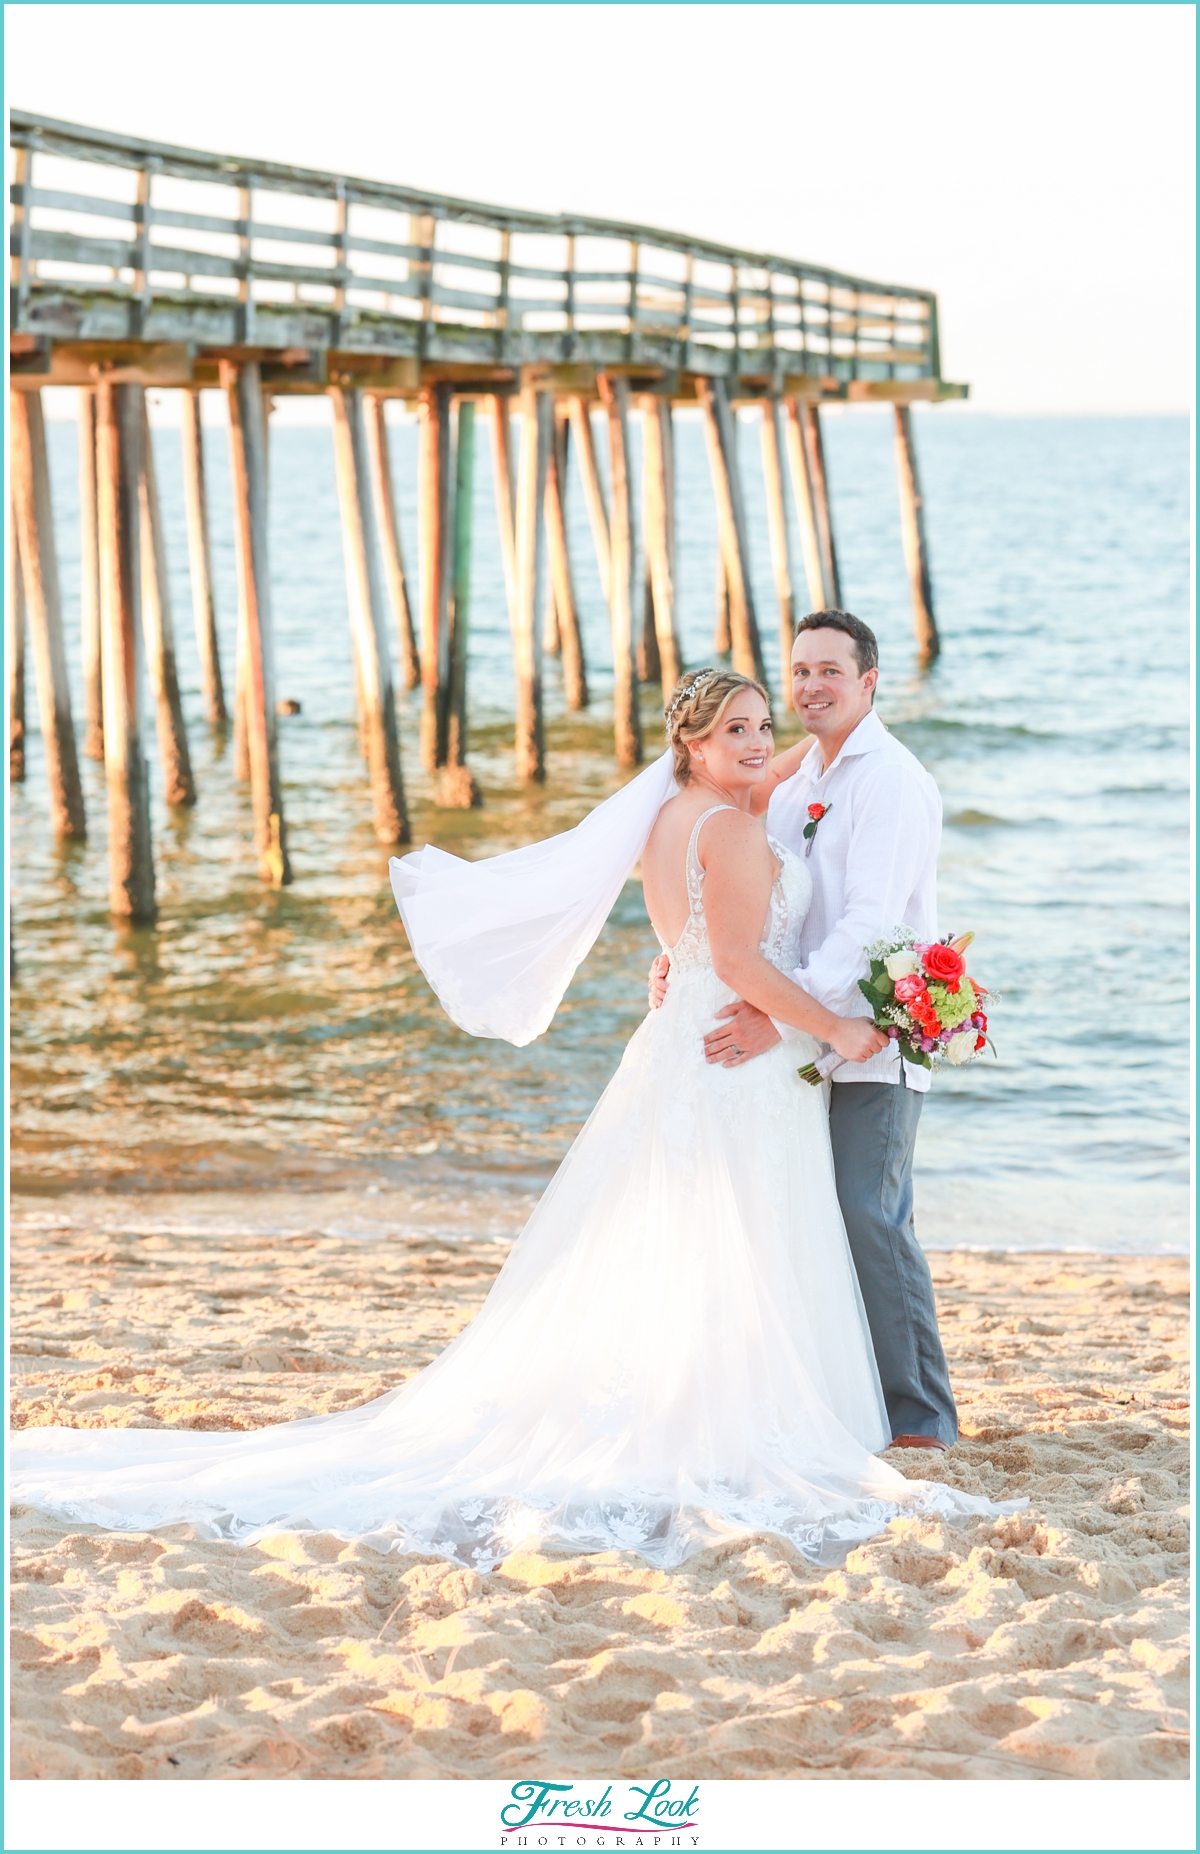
{"x": 502, "y": 481}
{"x": 89, "y": 582}
{"x": 658, "y": 501}
{"x": 130, "y": 854}
{"x": 158, "y": 630}
{"x": 722, "y": 641}
{"x": 368, "y": 623}
{"x": 912, "y": 531}
{"x": 649, "y": 663}
{"x": 567, "y": 635}
{"x": 389, "y": 538}
{"x": 814, "y": 448}
{"x": 806, "y": 513}
{"x": 537, "y": 434}
{"x": 720, "y": 432}
{"x": 39, "y": 571}
{"x": 14, "y": 632}
{"x": 580, "y": 416}
{"x": 204, "y": 613}
{"x": 551, "y": 635}
{"x": 242, "y": 382}
{"x": 777, "y": 530}
{"x": 627, "y": 725}
{"x": 435, "y": 495}
{"x": 457, "y": 788}
{"x": 552, "y": 515}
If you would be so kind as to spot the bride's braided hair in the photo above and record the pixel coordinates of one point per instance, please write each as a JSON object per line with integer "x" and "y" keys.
{"x": 697, "y": 703}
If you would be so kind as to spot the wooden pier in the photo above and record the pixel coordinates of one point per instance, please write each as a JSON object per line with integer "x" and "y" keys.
{"x": 141, "y": 265}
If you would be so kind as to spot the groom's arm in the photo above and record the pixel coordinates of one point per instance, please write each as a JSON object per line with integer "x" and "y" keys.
{"x": 783, "y": 766}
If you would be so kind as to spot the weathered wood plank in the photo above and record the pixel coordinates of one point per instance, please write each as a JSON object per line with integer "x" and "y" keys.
{"x": 368, "y": 624}
{"x": 537, "y": 419}
{"x": 34, "y": 520}
{"x": 458, "y": 789}
{"x": 89, "y": 582}
{"x": 130, "y": 853}
{"x": 389, "y": 532}
{"x": 721, "y": 439}
{"x": 777, "y": 529}
{"x": 658, "y": 495}
{"x": 247, "y": 445}
{"x": 912, "y": 531}
{"x": 627, "y": 724}
{"x": 204, "y": 614}
{"x": 435, "y": 491}
{"x": 158, "y": 629}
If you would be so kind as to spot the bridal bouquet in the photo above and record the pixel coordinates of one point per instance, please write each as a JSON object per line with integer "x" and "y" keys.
{"x": 922, "y": 998}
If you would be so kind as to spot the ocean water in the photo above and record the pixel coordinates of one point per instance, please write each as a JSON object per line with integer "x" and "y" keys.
{"x": 287, "y": 1040}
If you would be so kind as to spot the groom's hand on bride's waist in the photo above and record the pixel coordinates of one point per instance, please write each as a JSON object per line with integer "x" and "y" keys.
{"x": 745, "y": 1032}
{"x": 659, "y": 972}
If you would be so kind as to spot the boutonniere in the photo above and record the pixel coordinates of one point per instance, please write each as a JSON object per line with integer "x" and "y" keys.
{"x": 815, "y": 814}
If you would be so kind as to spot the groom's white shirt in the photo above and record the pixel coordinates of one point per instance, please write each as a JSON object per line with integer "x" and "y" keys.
{"x": 874, "y": 867}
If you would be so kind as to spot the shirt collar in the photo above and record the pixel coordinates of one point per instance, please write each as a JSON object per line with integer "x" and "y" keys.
{"x": 868, "y": 736}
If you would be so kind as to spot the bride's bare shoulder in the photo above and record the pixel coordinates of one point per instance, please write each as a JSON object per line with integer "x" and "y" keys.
{"x": 678, "y": 814}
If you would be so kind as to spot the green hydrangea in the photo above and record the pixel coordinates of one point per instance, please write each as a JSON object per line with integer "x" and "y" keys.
{"x": 953, "y": 1007}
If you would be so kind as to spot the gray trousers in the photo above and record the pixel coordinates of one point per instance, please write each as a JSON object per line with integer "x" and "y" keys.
{"x": 873, "y": 1128}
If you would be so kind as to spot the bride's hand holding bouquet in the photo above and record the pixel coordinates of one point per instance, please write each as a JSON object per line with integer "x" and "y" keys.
{"x": 922, "y": 999}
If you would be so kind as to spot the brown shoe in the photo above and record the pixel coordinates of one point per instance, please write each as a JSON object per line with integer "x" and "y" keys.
{"x": 918, "y": 1442}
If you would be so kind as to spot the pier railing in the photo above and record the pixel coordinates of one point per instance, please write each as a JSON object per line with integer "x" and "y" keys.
{"x": 119, "y": 239}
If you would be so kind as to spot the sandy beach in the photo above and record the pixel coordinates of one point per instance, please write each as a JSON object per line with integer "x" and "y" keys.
{"x": 1052, "y": 1644}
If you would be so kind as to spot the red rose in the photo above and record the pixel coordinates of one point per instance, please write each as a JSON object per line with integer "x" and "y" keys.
{"x": 980, "y": 1042}
{"x": 945, "y": 965}
{"x": 816, "y": 813}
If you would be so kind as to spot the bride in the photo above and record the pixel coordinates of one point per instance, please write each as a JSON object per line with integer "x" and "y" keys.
{"x": 675, "y": 1350}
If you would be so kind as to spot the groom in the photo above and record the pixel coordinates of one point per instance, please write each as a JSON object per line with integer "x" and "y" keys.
{"x": 873, "y": 860}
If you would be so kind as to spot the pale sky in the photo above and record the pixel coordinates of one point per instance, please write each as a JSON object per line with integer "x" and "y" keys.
{"x": 1032, "y": 163}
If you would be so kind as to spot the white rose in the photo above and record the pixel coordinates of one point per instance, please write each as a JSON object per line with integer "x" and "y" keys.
{"x": 900, "y": 965}
{"x": 961, "y": 1047}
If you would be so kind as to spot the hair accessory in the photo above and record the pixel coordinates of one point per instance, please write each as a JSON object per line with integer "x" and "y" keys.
{"x": 686, "y": 694}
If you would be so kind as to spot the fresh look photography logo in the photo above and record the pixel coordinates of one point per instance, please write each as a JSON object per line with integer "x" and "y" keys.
{"x": 658, "y": 1814}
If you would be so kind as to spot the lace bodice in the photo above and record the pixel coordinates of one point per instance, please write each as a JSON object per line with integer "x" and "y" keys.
{"x": 791, "y": 897}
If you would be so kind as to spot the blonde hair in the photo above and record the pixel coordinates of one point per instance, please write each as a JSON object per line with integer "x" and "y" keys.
{"x": 697, "y": 703}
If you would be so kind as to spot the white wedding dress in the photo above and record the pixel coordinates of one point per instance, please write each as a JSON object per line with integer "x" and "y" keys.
{"x": 674, "y": 1351}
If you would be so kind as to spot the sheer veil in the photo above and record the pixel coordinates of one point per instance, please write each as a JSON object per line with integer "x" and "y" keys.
{"x": 499, "y": 940}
